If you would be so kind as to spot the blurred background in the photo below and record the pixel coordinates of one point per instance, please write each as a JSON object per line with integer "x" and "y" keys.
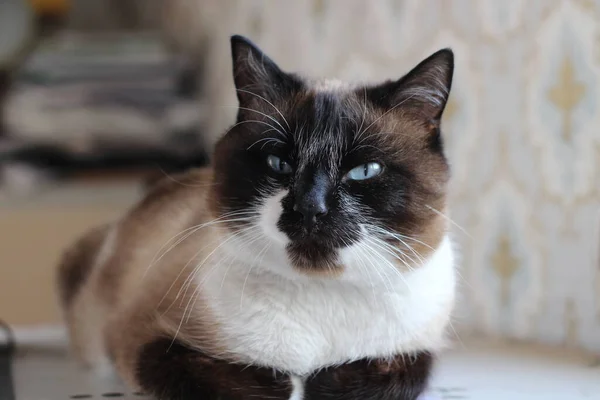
{"x": 100, "y": 97}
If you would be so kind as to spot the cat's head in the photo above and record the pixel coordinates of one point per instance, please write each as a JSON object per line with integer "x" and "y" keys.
{"x": 323, "y": 168}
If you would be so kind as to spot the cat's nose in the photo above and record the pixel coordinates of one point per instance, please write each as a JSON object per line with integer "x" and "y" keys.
{"x": 312, "y": 207}
{"x": 311, "y": 194}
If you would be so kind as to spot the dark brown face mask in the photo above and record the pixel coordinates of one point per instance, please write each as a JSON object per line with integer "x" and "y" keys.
{"x": 318, "y": 146}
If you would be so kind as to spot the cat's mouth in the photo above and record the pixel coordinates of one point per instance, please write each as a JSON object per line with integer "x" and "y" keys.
{"x": 310, "y": 256}
{"x": 315, "y": 249}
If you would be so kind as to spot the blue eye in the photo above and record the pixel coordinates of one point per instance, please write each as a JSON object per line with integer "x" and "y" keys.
{"x": 278, "y": 165}
{"x": 364, "y": 171}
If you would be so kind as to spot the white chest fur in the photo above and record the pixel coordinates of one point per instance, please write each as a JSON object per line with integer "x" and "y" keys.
{"x": 306, "y": 324}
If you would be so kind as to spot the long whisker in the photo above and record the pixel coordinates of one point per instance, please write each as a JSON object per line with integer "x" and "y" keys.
{"x": 247, "y": 121}
{"x": 268, "y": 102}
{"x": 193, "y": 274}
{"x": 188, "y": 278}
{"x": 266, "y": 116}
{"x": 267, "y": 140}
{"x": 170, "y": 177}
{"x": 420, "y": 259}
{"x": 399, "y": 238}
{"x": 364, "y": 146}
{"x": 389, "y": 265}
{"x": 244, "y": 243}
{"x": 357, "y": 136}
{"x": 392, "y": 251}
{"x": 368, "y": 248}
{"x": 451, "y": 325}
{"x": 394, "y": 255}
{"x": 225, "y": 218}
{"x": 364, "y": 267}
{"x": 264, "y": 249}
{"x": 441, "y": 214}
{"x": 191, "y": 277}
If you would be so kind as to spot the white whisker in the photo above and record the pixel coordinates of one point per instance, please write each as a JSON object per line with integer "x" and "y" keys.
{"x": 194, "y": 229}
{"x": 420, "y": 259}
{"x": 193, "y": 275}
{"x": 282, "y": 131}
{"x": 197, "y": 291}
{"x": 392, "y": 251}
{"x": 264, "y": 249}
{"x": 189, "y": 278}
{"x": 375, "y": 230}
{"x": 357, "y": 136}
{"x": 364, "y": 267}
{"x": 256, "y": 121}
{"x": 170, "y": 177}
{"x": 391, "y": 267}
{"x": 399, "y": 236}
{"x": 441, "y": 214}
{"x": 268, "y": 102}
{"x": 389, "y": 286}
{"x": 266, "y": 140}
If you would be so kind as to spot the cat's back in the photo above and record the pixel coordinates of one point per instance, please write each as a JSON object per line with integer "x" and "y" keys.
{"x": 105, "y": 268}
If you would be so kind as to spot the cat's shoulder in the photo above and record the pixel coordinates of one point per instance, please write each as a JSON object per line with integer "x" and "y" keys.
{"x": 175, "y": 187}
{"x": 190, "y": 180}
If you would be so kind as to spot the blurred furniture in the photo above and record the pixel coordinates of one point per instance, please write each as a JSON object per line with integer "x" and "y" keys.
{"x": 95, "y": 103}
{"x": 100, "y": 102}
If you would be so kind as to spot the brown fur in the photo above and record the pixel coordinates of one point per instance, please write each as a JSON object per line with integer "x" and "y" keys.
{"x": 77, "y": 263}
{"x": 124, "y": 284}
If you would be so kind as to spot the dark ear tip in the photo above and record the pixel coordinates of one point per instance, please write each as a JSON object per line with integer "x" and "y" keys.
{"x": 239, "y": 39}
{"x": 445, "y": 54}
{"x": 239, "y": 42}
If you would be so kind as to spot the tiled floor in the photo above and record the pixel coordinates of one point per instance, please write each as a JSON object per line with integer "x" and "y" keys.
{"x": 473, "y": 371}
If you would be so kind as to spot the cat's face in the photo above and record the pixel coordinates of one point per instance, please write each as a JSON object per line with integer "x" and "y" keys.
{"x": 324, "y": 168}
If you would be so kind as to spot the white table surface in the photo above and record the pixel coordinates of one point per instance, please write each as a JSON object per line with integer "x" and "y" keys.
{"x": 474, "y": 370}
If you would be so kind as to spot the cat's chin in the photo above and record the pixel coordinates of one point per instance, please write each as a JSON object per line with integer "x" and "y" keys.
{"x": 312, "y": 258}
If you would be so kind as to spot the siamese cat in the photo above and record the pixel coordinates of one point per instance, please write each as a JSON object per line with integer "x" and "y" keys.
{"x": 310, "y": 261}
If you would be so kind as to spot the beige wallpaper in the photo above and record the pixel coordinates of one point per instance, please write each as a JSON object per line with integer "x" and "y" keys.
{"x": 522, "y": 132}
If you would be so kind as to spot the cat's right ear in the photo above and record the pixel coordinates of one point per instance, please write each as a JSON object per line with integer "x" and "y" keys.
{"x": 256, "y": 75}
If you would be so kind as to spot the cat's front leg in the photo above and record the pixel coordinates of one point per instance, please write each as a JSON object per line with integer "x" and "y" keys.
{"x": 404, "y": 377}
{"x": 171, "y": 371}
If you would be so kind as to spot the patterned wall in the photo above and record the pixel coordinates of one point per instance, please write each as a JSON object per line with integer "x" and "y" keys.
{"x": 522, "y": 127}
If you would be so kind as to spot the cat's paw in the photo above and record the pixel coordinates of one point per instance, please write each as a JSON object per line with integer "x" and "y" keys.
{"x": 402, "y": 378}
{"x": 171, "y": 371}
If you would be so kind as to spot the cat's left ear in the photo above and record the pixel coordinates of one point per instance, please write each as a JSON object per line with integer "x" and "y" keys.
{"x": 256, "y": 75}
{"x": 425, "y": 88}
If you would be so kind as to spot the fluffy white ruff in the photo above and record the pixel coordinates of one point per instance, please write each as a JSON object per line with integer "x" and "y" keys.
{"x": 274, "y": 316}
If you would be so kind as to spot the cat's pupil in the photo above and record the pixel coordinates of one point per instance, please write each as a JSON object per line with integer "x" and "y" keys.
{"x": 366, "y": 169}
{"x": 281, "y": 165}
